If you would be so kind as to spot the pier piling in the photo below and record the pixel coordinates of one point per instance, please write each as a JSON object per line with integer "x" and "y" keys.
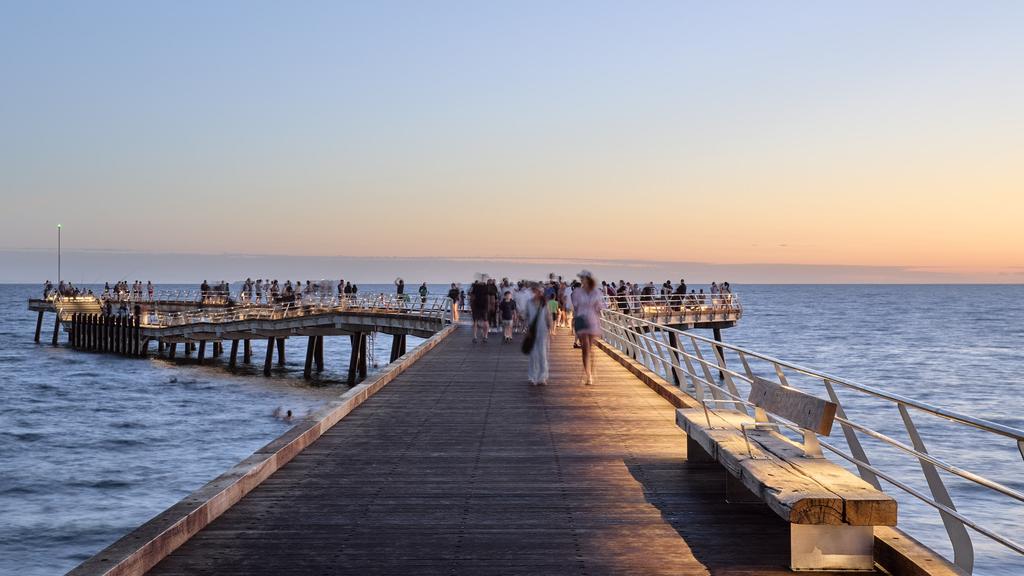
{"x": 280, "y": 351}
{"x": 246, "y": 352}
{"x": 721, "y": 353}
{"x": 270, "y": 356}
{"x": 39, "y": 325}
{"x": 232, "y": 362}
{"x": 308, "y": 367}
{"x": 56, "y": 327}
{"x": 202, "y": 351}
{"x": 318, "y": 353}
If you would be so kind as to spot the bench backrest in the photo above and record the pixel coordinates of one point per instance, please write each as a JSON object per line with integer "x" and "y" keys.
{"x": 806, "y": 411}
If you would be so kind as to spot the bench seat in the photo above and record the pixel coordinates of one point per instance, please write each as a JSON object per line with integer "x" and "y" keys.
{"x": 800, "y": 490}
{"x": 831, "y": 511}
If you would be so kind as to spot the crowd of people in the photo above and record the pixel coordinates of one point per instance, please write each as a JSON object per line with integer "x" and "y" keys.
{"x": 273, "y": 291}
{"x": 538, "y": 309}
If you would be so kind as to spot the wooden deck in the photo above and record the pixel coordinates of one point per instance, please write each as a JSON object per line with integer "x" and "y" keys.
{"x": 460, "y": 467}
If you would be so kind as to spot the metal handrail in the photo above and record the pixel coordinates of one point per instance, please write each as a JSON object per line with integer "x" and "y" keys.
{"x": 438, "y": 308}
{"x": 641, "y": 338}
{"x": 679, "y": 308}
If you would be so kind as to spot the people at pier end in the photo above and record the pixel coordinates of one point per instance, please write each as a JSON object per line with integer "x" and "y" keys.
{"x": 423, "y": 294}
{"x": 587, "y": 305}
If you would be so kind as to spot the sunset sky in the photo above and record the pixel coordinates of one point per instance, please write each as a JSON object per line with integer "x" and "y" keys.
{"x": 864, "y": 133}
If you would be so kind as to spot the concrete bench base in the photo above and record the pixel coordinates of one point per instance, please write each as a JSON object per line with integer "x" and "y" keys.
{"x": 831, "y": 547}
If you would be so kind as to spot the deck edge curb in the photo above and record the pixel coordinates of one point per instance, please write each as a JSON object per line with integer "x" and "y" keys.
{"x": 171, "y": 528}
{"x": 665, "y": 389}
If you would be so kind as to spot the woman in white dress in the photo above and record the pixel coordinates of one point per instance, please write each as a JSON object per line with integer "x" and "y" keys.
{"x": 587, "y": 303}
{"x": 538, "y": 321}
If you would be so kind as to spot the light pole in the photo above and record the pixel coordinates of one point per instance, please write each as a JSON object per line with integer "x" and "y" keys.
{"x": 58, "y": 254}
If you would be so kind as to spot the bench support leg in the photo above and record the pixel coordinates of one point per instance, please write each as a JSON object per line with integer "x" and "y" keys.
{"x": 831, "y": 547}
{"x": 696, "y": 454}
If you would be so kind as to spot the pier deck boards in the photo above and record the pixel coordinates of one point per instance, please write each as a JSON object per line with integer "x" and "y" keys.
{"x": 460, "y": 467}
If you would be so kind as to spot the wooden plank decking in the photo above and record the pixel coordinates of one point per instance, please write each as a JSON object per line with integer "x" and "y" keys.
{"x": 460, "y": 467}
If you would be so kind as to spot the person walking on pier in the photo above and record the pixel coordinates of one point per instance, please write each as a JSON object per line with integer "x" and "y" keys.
{"x": 479, "y": 306}
{"x": 423, "y": 295}
{"x": 507, "y": 311}
{"x": 454, "y": 296}
{"x": 538, "y": 321}
{"x": 587, "y": 304}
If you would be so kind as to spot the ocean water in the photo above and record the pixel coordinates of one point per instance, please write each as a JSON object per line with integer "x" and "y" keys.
{"x": 93, "y": 445}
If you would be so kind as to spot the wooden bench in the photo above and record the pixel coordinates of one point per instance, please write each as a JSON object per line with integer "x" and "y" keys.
{"x": 831, "y": 511}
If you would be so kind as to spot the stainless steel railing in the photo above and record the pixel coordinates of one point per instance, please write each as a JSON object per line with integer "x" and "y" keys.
{"x": 679, "y": 308}
{"x": 691, "y": 361}
{"x": 433, "y": 307}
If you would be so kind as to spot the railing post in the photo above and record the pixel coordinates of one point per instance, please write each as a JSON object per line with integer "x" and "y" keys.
{"x": 963, "y": 549}
{"x": 851, "y": 439}
{"x": 709, "y": 379}
{"x": 673, "y": 348}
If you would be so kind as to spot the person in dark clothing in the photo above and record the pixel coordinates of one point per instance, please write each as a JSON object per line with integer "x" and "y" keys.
{"x": 453, "y": 295}
{"x": 507, "y": 311}
{"x": 478, "y": 304}
{"x": 493, "y": 295}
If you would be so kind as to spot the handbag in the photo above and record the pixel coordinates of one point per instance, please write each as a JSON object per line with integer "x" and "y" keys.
{"x": 531, "y": 333}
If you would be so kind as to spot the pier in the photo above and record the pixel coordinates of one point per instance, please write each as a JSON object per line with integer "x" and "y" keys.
{"x": 688, "y": 455}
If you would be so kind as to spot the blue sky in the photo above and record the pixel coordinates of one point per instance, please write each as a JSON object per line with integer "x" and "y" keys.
{"x": 867, "y": 133}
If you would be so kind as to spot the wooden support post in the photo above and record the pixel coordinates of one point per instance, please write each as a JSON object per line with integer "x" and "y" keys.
{"x": 73, "y": 334}
{"x": 401, "y": 345}
{"x": 144, "y": 348}
{"x": 270, "y": 356}
{"x": 172, "y": 349}
{"x": 115, "y": 334}
{"x": 246, "y": 352}
{"x": 202, "y": 351}
{"x": 394, "y": 348}
{"x": 39, "y": 325}
{"x": 307, "y": 370}
{"x": 721, "y": 351}
{"x": 318, "y": 354}
{"x": 353, "y": 358}
{"x": 362, "y": 354}
{"x": 89, "y": 322}
{"x": 120, "y": 335}
{"x": 280, "y": 351}
{"x": 234, "y": 353}
{"x": 218, "y": 348}
{"x": 137, "y": 336}
{"x": 188, "y": 348}
{"x": 56, "y": 327}
{"x": 160, "y": 347}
